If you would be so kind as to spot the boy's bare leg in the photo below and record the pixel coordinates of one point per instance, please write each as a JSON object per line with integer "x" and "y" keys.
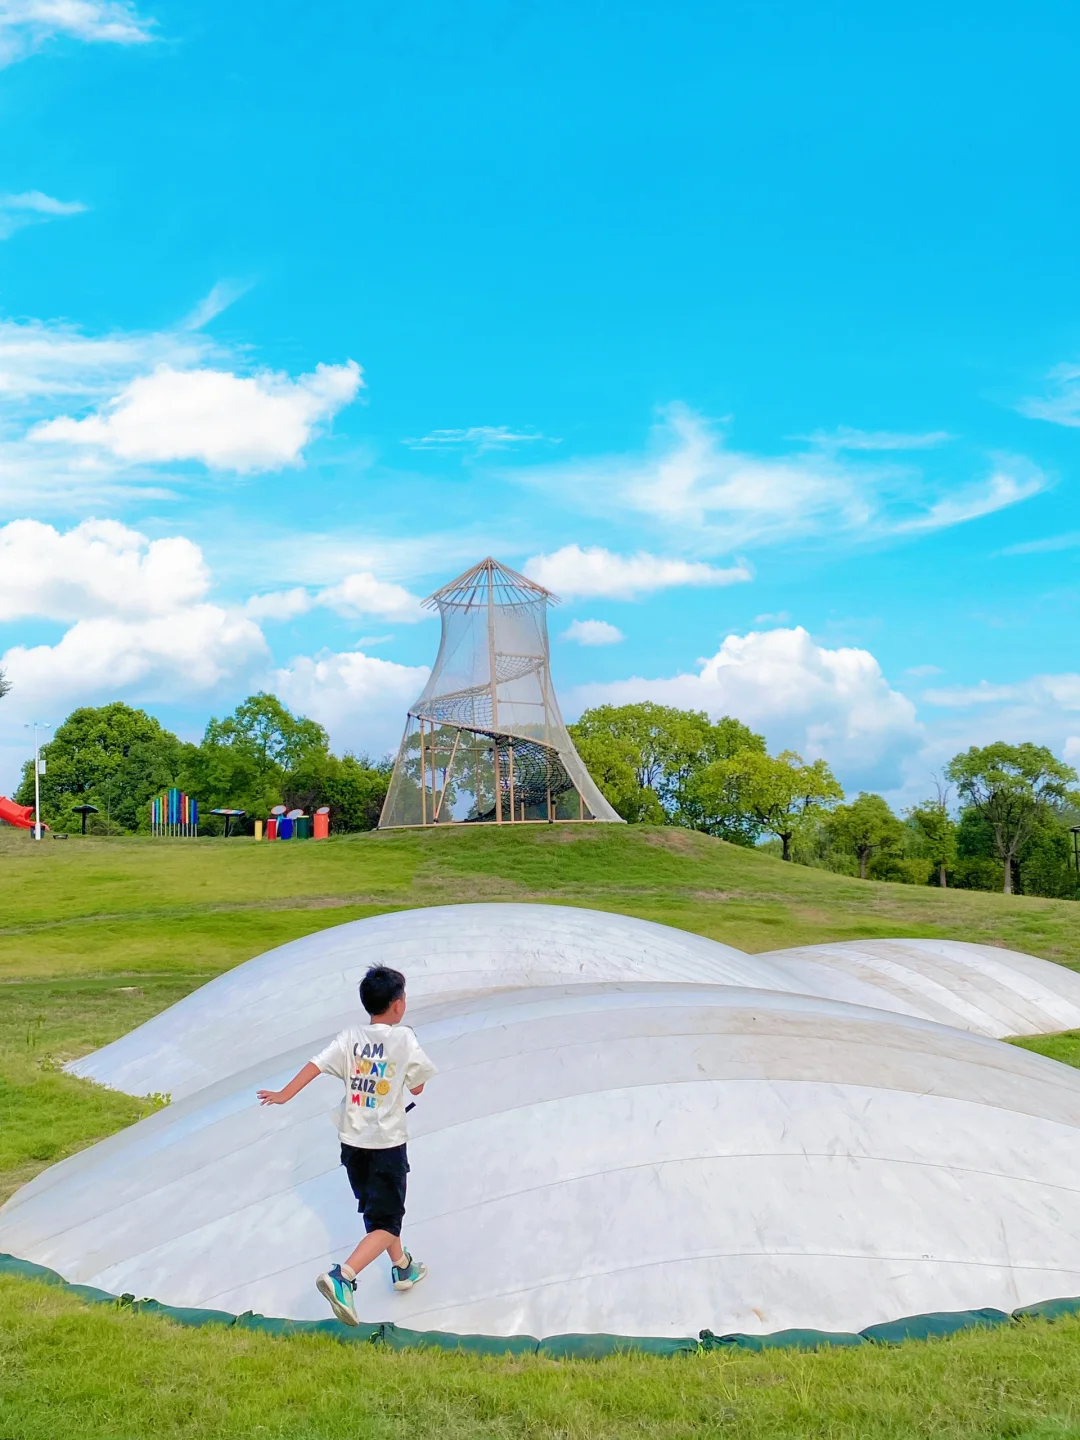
{"x": 371, "y": 1247}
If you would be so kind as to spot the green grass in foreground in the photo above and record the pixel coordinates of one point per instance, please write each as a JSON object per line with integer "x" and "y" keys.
{"x": 66, "y": 1370}
{"x": 96, "y": 937}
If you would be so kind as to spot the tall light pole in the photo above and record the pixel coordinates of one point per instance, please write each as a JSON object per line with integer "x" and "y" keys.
{"x": 36, "y": 726}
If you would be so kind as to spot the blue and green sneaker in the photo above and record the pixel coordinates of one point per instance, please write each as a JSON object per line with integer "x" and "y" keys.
{"x": 409, "y": 1273}
{"x": 339, "y": 1292}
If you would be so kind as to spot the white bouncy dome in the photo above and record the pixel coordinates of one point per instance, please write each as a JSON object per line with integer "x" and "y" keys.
{"x": 485, "y": 741}
{"x": 641, "y": 1132}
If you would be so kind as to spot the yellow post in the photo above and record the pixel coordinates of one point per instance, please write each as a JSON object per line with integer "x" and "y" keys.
{"x": 258, "y": 829}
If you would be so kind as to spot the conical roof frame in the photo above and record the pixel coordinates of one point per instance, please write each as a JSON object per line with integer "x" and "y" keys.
{"x": 489, "y": 578}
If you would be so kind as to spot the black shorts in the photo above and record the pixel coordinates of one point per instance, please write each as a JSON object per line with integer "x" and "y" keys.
{"x": 378, "y": 1179}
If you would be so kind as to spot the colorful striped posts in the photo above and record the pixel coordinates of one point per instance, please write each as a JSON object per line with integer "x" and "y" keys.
{"x": 174, "y": 813}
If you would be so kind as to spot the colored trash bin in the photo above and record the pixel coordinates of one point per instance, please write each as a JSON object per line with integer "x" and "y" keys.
{"x": 321, "y": 821}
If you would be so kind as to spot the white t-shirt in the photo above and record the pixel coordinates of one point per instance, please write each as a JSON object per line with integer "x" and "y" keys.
{"x": 379, "y": 1065}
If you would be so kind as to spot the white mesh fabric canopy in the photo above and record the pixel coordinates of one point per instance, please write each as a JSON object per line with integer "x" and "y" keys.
{"x": 485, "y": 740}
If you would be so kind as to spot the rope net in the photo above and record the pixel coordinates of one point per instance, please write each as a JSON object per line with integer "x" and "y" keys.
{"x": 485, "y": 740}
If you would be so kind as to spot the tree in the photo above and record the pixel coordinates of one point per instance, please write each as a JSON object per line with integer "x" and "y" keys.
{"x": 645, "y": 758}
{"x": 1011, "y": 788}
{"x": 865, "y": 826}
{"x": 353, "y": 787}
{"x": 244, "y": 759}
{"x": 111, "y": 756}
{"x": 5, "y": 684}
{"x": 776, "y": 794}
{"x": 937, "y": 830}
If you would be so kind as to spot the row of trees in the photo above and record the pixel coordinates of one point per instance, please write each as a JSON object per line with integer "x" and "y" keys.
{"x": 656, "y": 764}
{"x": 117, "y": 758}
{"x": 1016, "y": 803}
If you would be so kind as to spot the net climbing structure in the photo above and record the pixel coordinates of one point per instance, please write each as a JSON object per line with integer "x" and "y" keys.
{"x": 485, "y": 741}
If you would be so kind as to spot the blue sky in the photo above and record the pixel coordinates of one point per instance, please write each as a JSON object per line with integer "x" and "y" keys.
{"x": 753, "y": 330}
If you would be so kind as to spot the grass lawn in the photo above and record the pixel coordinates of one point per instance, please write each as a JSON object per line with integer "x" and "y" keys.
{"x": 98, "y": 935}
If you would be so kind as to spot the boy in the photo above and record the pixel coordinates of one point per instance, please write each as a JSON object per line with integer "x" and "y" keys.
{"x": 378, "y": 1062}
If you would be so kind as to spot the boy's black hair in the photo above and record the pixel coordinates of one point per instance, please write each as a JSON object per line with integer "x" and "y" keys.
{"x": 380, "y": 987}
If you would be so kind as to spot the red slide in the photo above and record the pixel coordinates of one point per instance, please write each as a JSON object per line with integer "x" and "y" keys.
{"x": 21, "y": 816}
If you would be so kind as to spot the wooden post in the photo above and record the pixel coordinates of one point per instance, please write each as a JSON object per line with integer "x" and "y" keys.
{"x": 498, "y": 782}
{"x": 513, "y": 810}
{"x": 423, "y": 777}
{"x": 581, "y": 806}
{"x": 446, "y": 778}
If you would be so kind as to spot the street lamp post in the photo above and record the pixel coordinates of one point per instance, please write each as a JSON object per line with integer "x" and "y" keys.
{"x": 1075, "y": 831}
{"x": 36, "y": 726}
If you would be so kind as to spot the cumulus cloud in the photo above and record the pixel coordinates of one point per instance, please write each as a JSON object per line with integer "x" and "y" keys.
{"x": 597, "y": 573}
{"x": 833, "y": 703}
{"x": 359, "y": 699}
{"x": 32, "y": 208}
{"x": 226, "y": 421}
{"x": 694, "y": 484}
{"x": 97, "y": 568}
{"x": 160, "y": 397}
{"x": 25, "y": 25}
{"x": 143, "y": 626}
{"x": 165, "y": 657}
{"x": 477, "y": 438}
{"x": 593, "y": 632}
{"x": 358, "y": 594}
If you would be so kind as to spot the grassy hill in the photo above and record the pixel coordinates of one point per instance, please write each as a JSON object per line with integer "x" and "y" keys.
{"x": 97, "y": 935}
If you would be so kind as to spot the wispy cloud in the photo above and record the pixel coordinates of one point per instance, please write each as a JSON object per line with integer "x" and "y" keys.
{"x": 577, "y": 573}
{"x": 1068, "y": 541}
{"x": 846, "y": 438}
{"x": 1061, "y": 406}
{"x": 221, "y": 296}
{"x": 722, "y": 500}
{"x": 33, "y": 207}
{"x": 26, "y": 25}
{"x": 923, "y": 670}
{"x": 478, "y": 438}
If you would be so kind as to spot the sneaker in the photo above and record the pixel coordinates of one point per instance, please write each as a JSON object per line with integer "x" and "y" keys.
{"x": 339, "y": 1292}
{"x": 409, "y": 1273}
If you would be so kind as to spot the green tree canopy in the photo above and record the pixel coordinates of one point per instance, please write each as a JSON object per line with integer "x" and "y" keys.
{"x": 937, "y": 831}
{"x": 777, "y": 794}
{"x": 5, "y": 684}
{"x": 111, "y": 756}
{"x": 865, "y": 827}
{"x": 1011, "y": 788}
{"x": 352, "y": 786}
{"x": 645, "y": 758}
{"x": 244, "y": 759}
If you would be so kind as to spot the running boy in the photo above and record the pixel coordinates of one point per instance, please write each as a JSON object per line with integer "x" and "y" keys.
{"x": 378, "y": 1063}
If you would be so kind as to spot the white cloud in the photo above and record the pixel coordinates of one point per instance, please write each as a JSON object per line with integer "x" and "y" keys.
{"x": 357, "y": 594}
{"x": 42, "y": 361}
{"x": 166, "y": 657}
{"x": 362, "y": 594}
{"x": 594, "y": 572}
{"x": 726, "y": 500}
{"x": 359, "y": 699}
{"x": 780, "y": 618}
{"x": 31, "y": 208}
{"x": 1069, "y": 541}
{"x": 846, "y": 438}
{"x": 821, "y": 702}
{"x": 593, "y": 632}
{"x": 25, "y": 25}
{"x": 98, "y": 568}
{"x": 1062, "y": 405}
{"x": 921, "y": 670}
{"x": 1045, "y": 693}
{"x": 1071, "y": 750}
{"x": 226, "y": 421}
{"x": 479, "y": 438}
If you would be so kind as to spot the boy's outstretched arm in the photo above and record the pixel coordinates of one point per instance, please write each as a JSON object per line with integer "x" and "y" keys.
{"x": 295, "y": 1085}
